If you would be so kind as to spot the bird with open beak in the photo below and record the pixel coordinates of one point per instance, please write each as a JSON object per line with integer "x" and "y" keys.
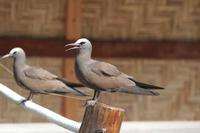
{"x": 104, "y": 77}
{"x": 38, "y": 80}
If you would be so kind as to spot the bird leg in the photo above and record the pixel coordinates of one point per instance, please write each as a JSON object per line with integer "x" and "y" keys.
{"x": 30, "y": 96}
{"x": 94, "y": 96}
{"x": 97, "y": 95}
{"x": 94, "y": 99}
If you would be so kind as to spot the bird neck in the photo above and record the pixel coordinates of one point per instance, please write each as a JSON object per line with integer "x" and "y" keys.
{"x": 83, "y": 56}
{"x": 19, "y": 62}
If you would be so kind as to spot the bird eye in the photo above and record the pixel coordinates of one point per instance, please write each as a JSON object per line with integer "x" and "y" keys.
{"x": 82, "y": 43}
{"x": 15, "y": 52}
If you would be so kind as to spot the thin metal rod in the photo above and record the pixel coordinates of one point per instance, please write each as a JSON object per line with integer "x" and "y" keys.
{"x": 7, "y": 69}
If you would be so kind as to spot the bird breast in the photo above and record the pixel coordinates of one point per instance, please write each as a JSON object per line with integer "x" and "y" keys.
{"x": 81, "y": 72}
{"x": 19, "y": 77}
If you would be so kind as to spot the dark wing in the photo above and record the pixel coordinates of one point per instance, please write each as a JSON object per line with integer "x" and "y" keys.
{"x": 70, "y": 84}
{"x": 50, "y": 82}
{"x": 38, "y": 73}
{"x": 138, "y": 91}
{"x": 104, "y": 69}
{"x": 144, "y": 85}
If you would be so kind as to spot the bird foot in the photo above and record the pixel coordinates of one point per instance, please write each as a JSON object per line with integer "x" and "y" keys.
{"x": 103, "y": 130}
{"x": 23, "y": 101}
{"x": 90, "y": 102}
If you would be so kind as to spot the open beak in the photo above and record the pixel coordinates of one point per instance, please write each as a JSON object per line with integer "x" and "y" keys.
{"x": 5, "y": 56}
{"x": 75, "y": 46}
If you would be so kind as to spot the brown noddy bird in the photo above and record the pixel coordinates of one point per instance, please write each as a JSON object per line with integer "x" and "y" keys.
{"x": 38, "y": 80}
{"x": 102, "y": 76}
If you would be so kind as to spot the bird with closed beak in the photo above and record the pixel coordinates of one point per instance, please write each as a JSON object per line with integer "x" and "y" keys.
{"x": 38, "y": 80}
{"x": 104, "y": 77}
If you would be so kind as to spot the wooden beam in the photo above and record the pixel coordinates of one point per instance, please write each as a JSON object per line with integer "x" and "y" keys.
{"x": 34, "y": 47}
{"x": 72, "y": 19}
{"x": 152, "y": 50}
{"x": 71, "y": 107}
{"x": 72, "y": 32}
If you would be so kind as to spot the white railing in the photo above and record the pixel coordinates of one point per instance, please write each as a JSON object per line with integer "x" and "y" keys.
{"x": 33, "y": 107}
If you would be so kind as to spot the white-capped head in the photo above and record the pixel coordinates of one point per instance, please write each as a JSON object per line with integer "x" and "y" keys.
{"x": 82, "y": 44}
{"x": 15, "y": 53}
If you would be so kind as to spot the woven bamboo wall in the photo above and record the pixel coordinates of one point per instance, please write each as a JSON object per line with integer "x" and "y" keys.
{"x": 32, "y": 18}
{"x": 141, "y": 19}
{"x": 179, "y": 101}
{"x": 115, "y": 19}
{"x": 10, "y": 112}
{"x": 103, "y": 19}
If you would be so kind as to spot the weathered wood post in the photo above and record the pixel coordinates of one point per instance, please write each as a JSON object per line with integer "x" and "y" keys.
{"x": 101, "y": 118}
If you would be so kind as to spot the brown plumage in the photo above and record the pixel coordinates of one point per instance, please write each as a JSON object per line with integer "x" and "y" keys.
{"x": 38, "y": 80}
{"x": 102, "y": 76}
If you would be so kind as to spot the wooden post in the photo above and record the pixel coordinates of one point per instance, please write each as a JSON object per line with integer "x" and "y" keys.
{"x": 101, "y": 118}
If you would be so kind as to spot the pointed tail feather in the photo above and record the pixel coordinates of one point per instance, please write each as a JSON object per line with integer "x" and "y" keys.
{"x": 138, "y": 91}
{"x": 64, "y": 91}
{"x": 67, "y": 92}
{"x": 147, "y": 86}
{"x": 81, "y": 93}
{"x": 70, "y": 84}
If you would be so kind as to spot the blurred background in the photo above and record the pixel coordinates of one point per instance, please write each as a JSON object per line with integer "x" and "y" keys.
{"x": 155, "y": 41}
